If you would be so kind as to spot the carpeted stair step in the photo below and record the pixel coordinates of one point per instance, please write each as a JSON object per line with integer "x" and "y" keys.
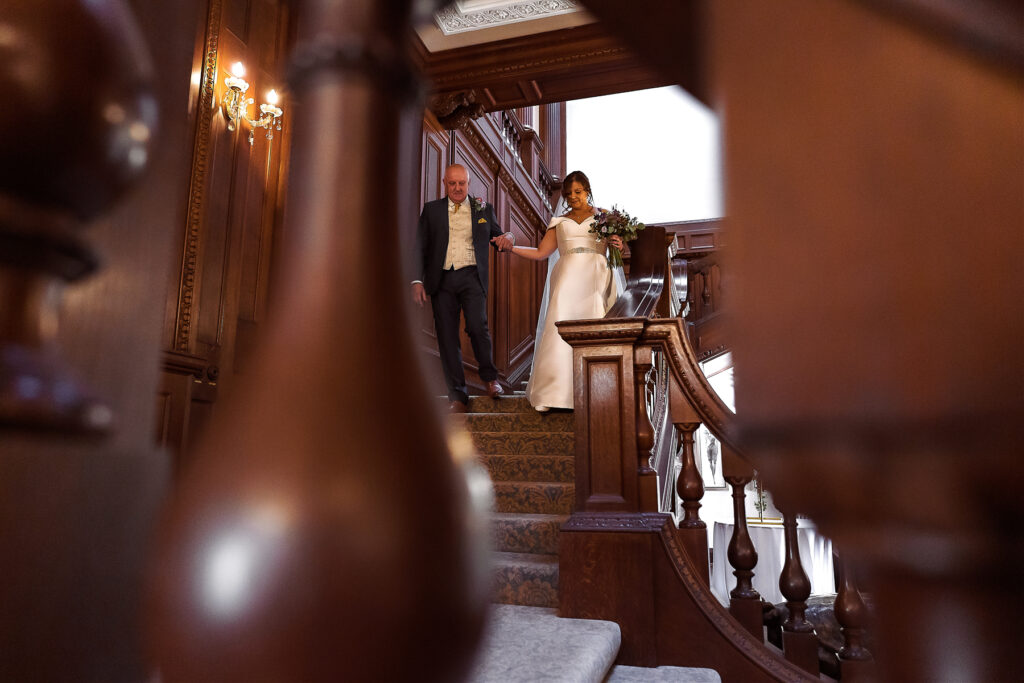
{"x": 663, "y": 674}
{"x": 525, "y": 579}
{"x": 553, "y": 443}
{"x": 523, "y": 644}
{"x": 520, "y": 422}
{"x": 538, "y": 467}
{"x": 515, "y": 403}
{"x": 536, "y": 497}
{"x": 526, "y": 533}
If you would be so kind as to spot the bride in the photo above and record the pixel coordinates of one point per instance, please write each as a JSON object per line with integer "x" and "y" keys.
{"x": 579, "y": 286}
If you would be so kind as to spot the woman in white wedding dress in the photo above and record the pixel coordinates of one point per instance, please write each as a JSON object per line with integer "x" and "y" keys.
{"x": 580, "y": 286}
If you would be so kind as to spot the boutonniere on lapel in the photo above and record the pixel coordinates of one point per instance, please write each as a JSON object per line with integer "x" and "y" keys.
{"x": 478, "y": 203}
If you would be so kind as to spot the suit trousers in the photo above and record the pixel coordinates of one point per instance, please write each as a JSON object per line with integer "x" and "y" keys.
{"x": 461, "y": 290}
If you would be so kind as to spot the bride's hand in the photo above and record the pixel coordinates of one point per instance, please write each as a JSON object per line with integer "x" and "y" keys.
{"x": 615, "y": 241}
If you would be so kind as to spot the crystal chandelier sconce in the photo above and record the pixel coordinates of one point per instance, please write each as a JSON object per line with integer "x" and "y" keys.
{"x": 236, "y": 105}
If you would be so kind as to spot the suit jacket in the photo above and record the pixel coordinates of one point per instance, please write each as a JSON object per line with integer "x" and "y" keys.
{"x": 432, "y": 242}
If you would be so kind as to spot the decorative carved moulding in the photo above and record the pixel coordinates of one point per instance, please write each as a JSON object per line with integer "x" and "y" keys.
{"x": 553, "y": 66}
{"x": 54, "y": 179}
{"x": 454, "y": 110}
{"x": 459, "y": 17}
{"x": 616, "y": 521}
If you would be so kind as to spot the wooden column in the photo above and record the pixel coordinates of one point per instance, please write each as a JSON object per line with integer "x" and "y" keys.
{"x": 312, "y": 540}
{"x": 861, "y": 139}
{"x": 607, "y": 472}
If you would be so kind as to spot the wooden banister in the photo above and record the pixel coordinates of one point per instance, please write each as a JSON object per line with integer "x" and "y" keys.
{"x": 613, "y": 360}
{"x": 648, "y": 271}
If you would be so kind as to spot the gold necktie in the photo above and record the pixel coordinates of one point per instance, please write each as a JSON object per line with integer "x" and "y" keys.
{"x": 457, "y": 208}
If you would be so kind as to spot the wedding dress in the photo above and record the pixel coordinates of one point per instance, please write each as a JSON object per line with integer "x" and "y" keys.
{"x": 580, "y": 286}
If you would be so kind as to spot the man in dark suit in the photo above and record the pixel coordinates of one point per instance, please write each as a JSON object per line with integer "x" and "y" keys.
{"x": 451, "y": 259}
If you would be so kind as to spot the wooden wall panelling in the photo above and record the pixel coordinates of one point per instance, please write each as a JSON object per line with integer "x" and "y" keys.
{"x": 553, "y": 133}
{"x": 515, "y": 285}
{"x": 483, "y": 183}
{"x": 266, "y": 183}
{"x": 228, "y": 167}
{"x": 434, "y": 159}
{"x": 234, "y": 204}
{"x": 435, "y": 155}
{"x": 523, "y": 286}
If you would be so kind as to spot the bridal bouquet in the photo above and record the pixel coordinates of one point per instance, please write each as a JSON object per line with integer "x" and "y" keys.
{"x": 616, "y": 222}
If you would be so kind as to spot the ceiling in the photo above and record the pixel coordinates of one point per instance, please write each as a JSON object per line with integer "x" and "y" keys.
{"x": 503, "y": 54}
{"x": 475, "y": 22}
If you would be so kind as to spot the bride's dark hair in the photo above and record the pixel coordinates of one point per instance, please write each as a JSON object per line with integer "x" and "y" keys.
{"x": 576, "y": 177}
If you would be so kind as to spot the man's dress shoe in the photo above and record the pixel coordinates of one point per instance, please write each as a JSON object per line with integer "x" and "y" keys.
{"x": 458, "y": 407}
{"x": 494, "y": 389}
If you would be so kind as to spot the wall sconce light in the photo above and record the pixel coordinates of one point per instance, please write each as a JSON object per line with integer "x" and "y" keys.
{"x": 236, "y": 106}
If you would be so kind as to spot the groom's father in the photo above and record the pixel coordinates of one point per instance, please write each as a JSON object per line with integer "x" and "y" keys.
{"x": 451, "y": 259}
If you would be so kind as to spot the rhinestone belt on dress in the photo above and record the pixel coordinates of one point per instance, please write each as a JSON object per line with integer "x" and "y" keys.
{"x": 582, "y": 250}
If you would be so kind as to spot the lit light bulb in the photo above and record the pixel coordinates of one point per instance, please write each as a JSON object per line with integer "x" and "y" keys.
{"x": 238, "y": 70}
{"x": 273, "y": 97}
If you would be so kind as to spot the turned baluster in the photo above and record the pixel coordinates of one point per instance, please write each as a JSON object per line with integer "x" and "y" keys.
{"x": 851, "y": 612}
{"x": 53, "y": 183}
{"x": 745, "y": 604}
{"x": 643, "y": 363}
{"x": 689, "y": 485}
{"x": 798, "y": 638}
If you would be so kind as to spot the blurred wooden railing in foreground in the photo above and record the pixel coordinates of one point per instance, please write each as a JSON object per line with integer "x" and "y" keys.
{"x": 625, "y": 555}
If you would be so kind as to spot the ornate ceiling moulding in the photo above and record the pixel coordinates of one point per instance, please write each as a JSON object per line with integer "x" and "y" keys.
{"x": 574, "y": 63}
{"x": 455, "y": 109}
{"x": 460, "y": 17}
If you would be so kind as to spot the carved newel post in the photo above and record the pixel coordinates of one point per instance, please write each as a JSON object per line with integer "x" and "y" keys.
{"x": 325, "y": 532}
{"x": 74, "y": 134}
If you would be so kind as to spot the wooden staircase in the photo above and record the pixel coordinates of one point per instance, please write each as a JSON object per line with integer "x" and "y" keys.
{"x": 530, "y": 458}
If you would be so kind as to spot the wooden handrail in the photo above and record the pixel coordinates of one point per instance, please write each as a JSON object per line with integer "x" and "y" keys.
{"x": 645, "y": 284}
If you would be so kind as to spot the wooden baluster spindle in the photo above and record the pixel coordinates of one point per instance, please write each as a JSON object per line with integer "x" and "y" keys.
{"x": 689, "y": 485}
{"x": 798, "y": 638}
{"x": 647, "y": 480}
{"x": 856, "y": 661}
{"x": 745, "y": 604}
{"x": 53, "y": 183}
{"x": 692, "y": 531}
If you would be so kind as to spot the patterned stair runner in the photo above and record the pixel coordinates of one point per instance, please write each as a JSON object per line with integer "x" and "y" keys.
{"x": 530, "y": 458}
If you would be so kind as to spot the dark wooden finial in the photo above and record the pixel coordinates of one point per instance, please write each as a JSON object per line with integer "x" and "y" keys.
{"x": 77, "y": 122}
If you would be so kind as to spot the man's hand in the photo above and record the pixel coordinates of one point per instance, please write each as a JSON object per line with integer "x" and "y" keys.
{"x": 503, "y": 242}
{"x": 419, "y": 294}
